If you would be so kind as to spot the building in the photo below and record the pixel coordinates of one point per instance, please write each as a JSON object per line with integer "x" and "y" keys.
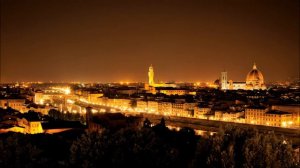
{"x": 293, "y": 109}
{"x": 178, "y": 109}
{"x": 34, "y": 127}
{"x": 43, "y": 109}
{"x": 172, "y": 91}
{"x": 127, "y": 91}
{"x": 103, "y": 101}
{"x": 182, "y": 109}
{"x": 218, "y": 115}
{"x": 151, "y": 85}
{"x": 152, "y": 106}
{"x": 124, "y": 103}
{"x": 90, "y": 96}
{"x": 254, "y": 81}
{"x": 151, "y": 76}
{"x": 23, "y": 126}
{"x": 236, "y": 85}
{"x": 141, "y": 105}
{"x": 230, "y": 116}
{"x": 265, "y": 116}
{"x": 164, "y": 108}
{"x": 14, "y": 103}
{"x": 38, "y": 97}
{"x": 224, "y": 81}
{"x": 200, "y": 112}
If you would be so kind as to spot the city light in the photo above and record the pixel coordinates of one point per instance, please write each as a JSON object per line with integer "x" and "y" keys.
{"x": 70, "y": 101}
{"x": 67, "y": 91}
{"x": 150, "y": 83}
{"x": 42, "y": 101}
{"x": 284, "y": 124}
{"x": 94, "y": 111}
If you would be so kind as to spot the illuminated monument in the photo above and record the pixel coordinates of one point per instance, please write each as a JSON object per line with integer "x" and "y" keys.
{"x": 151, "y": 85}
{"x": 151, "y": 75}
{"x": 254, "y": 81}
{"x": 224, "y": 81}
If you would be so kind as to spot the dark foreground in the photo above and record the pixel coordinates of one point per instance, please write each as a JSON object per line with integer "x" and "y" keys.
{"x": 147, "y": 146}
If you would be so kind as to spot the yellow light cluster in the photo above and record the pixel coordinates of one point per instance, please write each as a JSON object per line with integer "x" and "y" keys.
{"x": 65, "y": 90}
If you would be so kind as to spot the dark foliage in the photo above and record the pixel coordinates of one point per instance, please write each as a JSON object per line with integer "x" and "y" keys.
{"x": 155, "y": 146}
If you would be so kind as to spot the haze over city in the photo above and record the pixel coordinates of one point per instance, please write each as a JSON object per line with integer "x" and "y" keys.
{"x": 150, "y": 83}
{"x": 111, "y": 41}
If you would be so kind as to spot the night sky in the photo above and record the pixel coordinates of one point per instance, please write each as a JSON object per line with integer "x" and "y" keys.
{"x": 117, "y": 40}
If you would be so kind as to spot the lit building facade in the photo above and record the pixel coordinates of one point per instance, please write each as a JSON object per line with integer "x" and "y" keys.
{"x": 200, "y": 112}
{"x": 229, "y": 116}
{"x": 236, "y": 85}
{"x": 38, "y": 97}
{"x": 91, "y": 97}
{"x": 182, "y": 109}
{"x": 152, "y": 106}
{"x": 141, "y": 105}
{"x": 165, "y": 108}
{"x": 224, "y": 81}
{"x": 34, "y": 127}
{"x": 293, "y": 109}
{"x": 151, "y": 85}
{"x": 268, "y": 117}
{"x": 173, "y": 91}
{"x": 17, "y": 104}
{"x": 254, "y": 81}
{"x": 26, "y": 127}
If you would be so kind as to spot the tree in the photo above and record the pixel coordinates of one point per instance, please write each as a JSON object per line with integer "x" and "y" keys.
{"x": 267, "y": 150}
{"x": 162, "y": 122}
{"x": 235, "y": 146}
{"x": 17, "y": 151}
{"x": 87, "y": 150}
{"x": 54, "y": 114}
{"x": 147, "y": 123}
{"x": 133, "y": 103}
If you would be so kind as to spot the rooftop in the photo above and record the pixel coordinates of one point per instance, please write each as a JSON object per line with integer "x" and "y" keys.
{"x": 277, "y": 112}
{"x": 169, "y": 88}
{"x": 257, "y": 107}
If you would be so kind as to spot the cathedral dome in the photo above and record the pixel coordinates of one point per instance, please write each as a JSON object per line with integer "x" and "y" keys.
{"x": 255, "y": 76}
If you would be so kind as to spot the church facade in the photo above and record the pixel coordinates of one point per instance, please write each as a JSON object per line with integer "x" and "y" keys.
{"x": 254, "y": 81}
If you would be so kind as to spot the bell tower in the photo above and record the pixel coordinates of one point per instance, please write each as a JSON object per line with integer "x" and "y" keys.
{"x": 224, "y": 80}
{"x": 151, "y": 75}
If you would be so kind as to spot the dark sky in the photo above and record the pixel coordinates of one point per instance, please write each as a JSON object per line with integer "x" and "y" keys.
{"x": 116, "y": 40}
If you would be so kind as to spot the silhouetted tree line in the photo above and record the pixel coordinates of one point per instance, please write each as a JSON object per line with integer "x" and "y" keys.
{"x": 148, "y": 146}
{"x": 68, "y": 116}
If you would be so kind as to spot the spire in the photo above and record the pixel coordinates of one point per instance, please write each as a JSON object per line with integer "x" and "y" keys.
{"x": 254, "y": 66}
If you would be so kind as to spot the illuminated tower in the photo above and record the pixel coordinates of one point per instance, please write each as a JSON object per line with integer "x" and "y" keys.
{"x": 151, "y": 75}
{"x": 224, "y": 80}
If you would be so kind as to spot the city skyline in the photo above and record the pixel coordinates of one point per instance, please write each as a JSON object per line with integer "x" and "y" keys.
{"x": 150, "y": 83}
{"x": 113, "y": 41}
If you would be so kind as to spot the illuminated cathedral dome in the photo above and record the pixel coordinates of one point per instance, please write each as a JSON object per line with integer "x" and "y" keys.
{"x": 255, "y": 75}
{"x": 255, "y": 79}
